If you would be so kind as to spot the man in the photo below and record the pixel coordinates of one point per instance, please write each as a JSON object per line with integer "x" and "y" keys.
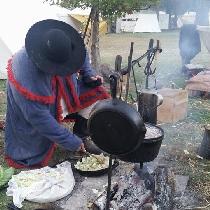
{"x": 49, "y": 76}
{"x": 189, "y": 43}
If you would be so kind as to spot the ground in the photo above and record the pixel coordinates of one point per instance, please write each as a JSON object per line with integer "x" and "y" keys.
{"x": 182, "y": 139}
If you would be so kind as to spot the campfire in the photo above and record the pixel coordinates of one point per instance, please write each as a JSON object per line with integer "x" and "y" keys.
{"x": 132, "y": 193}
{"x": 139, "y": 189}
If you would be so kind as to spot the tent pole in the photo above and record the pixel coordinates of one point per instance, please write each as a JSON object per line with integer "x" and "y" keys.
{"x": 86, "y": 27}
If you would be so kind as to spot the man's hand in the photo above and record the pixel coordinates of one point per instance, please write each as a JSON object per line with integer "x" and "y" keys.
{"x": 93, "y": 81}
{"x": 98, "y": 77}
{"x": 81, "y": 148}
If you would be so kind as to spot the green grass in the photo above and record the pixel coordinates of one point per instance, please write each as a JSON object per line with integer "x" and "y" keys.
{"x": 199, "y": 110}
{"x": 2, "y": 85}
{"x": 4, "y": 200}
{"x": 2, "y": 99}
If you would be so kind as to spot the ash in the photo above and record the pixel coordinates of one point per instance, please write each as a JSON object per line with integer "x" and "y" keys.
{"x": 132, "y": 193}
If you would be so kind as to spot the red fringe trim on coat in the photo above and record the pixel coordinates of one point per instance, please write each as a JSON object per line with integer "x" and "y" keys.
{"x": 73, "y": 92}
{"x": 63, "y": 93}
{"x": 84, "y": 98}
{"x": 23, "y": 91}
{"x": 11, "y": 163}
{"x": 68, "y": 120}
{"x": 59, "y": 109}
{"x": 44, "y": 162}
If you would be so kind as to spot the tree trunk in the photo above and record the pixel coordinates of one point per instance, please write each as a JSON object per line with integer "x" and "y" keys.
{"x": 175, "y": 21}
{"x": 95, "y": 53}
{"x": 157, "y": 9}
{"x": 109, "y": 27}
{"x": 170, "y": 22}
{"x": 202, "y": 16}
{"x": 165, "y": 188}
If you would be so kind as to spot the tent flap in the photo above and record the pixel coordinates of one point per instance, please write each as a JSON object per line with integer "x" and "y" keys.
{"x": 147, "y": 23}
{"x": 5, "y": 54}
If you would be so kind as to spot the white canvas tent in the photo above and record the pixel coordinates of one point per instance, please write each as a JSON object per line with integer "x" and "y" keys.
{"x": 139, "y": 22}
{"x": 127, "y": 23}
{"x": 79, "y": 11}
{"x": 5, "y": 54}
{"x": 16, "y": 17}
{"x": 147, "y": 23}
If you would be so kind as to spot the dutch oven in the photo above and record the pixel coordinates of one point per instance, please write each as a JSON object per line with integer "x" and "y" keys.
{"x": 115, "y": 126}
{"x": 149, "y": 148}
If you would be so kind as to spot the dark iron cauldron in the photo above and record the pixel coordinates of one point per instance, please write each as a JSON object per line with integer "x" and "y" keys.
{"x": 147, "y": 151}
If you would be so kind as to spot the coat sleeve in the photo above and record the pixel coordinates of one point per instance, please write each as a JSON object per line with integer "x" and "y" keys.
{"x": 86, "y": 70}
{"x": 40, "y": 118}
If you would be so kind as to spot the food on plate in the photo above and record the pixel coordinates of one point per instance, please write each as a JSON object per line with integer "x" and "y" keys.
{"x": 93, "y": 163}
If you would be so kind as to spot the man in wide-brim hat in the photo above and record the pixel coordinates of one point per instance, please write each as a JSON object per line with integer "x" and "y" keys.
{"x": 48, "y": 78}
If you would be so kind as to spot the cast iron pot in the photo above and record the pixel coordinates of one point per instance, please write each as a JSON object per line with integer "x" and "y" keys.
{"x": 116, "y": 127}
{"x": 147, "y": 151}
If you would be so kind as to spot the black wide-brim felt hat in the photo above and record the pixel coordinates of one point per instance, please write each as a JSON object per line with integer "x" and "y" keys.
{"x": 63, "y": 55}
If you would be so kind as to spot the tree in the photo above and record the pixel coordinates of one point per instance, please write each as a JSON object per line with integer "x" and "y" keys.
{"x": 179, "y": 7}
{"x": 106, "y": 9}
{"x": 202, "y": 12}
{"x": 175, "y": 8}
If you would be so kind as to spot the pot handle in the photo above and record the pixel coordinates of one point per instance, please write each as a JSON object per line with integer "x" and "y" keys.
{"x": 160, "y": 99}
{"x": 113, "y": 85}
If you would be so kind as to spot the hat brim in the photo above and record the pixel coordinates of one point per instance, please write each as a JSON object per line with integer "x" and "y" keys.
{"x": 33, "y": 48}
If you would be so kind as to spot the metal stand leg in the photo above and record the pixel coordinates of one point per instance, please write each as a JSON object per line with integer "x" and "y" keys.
{"x": 141, "y": 165}
{"x": 109, "y": 183}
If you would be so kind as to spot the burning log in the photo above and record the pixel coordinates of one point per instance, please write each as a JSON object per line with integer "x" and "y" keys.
{"x": 132, "y": 193}
{"x": 100, "y": 202}
{"x": 129, "y": 194}
{"x": 165, "y": 188}
{"x": 132, "y": 202}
